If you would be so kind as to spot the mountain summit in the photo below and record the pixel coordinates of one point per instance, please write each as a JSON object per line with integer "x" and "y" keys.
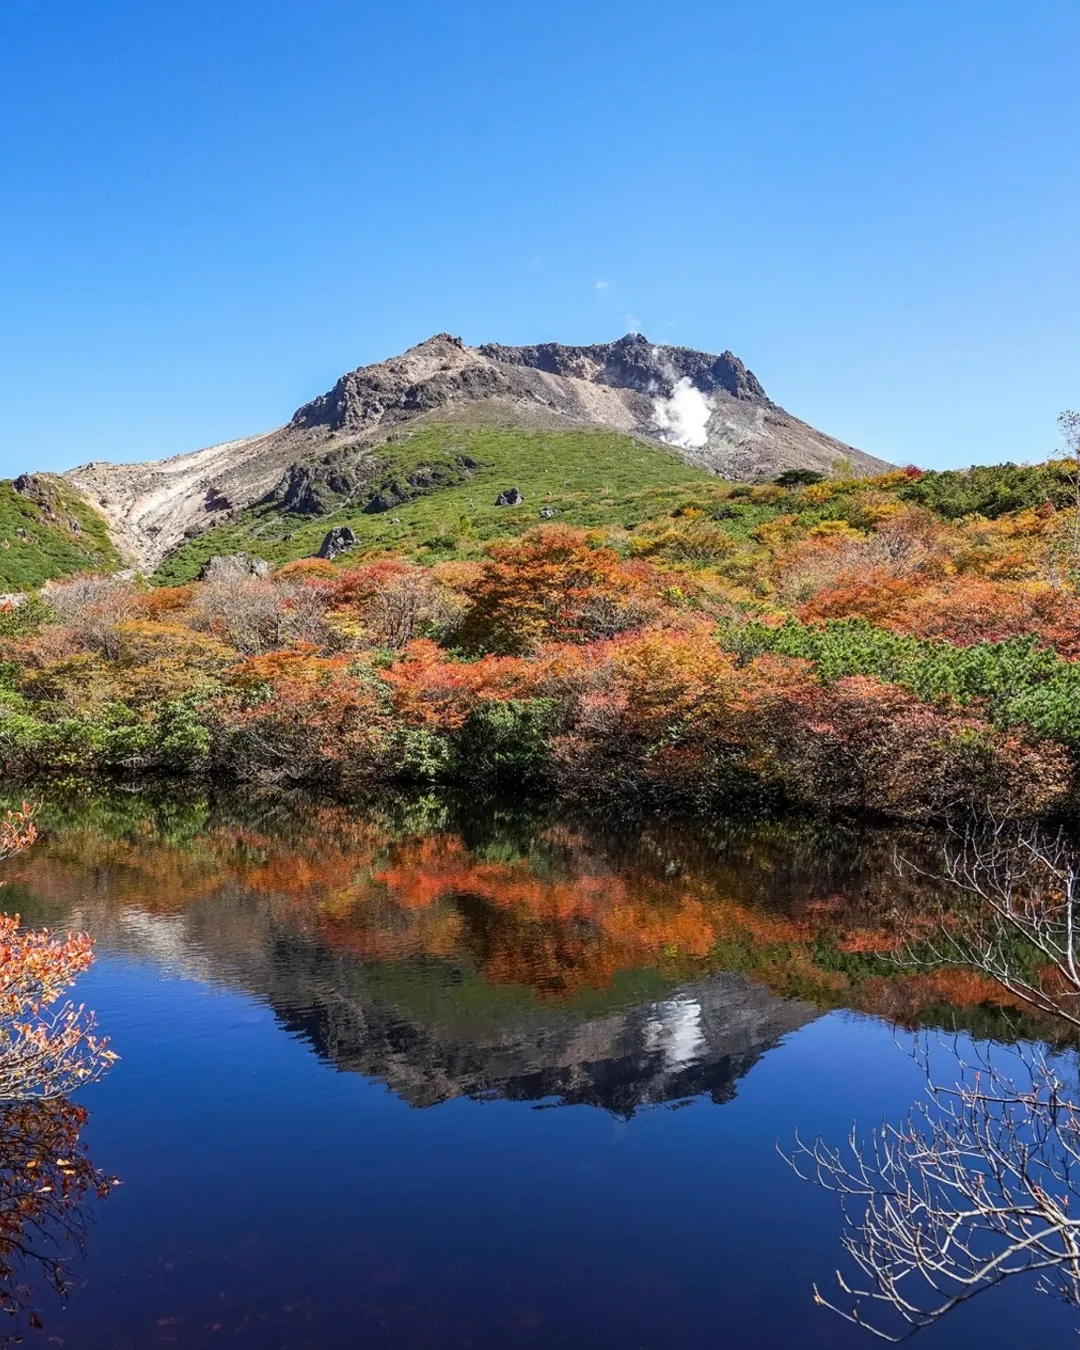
{"x": 709, "y": 411}
{"x": 444, "y": 371}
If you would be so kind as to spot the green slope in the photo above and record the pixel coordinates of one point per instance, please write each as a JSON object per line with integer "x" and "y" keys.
{"x": 49, "y": 531}
{"x": 585, "y": 477}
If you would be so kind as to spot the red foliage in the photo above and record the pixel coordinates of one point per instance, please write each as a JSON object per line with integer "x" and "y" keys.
{"x": 300, "y": 716}
{"x": 970, "y": 610}
{"x": 965, "y": 610}
{"x": 392, "y": 602}
{"x": 864, "y": 744}
{"x": 433, "y": 692}
{"x": 356, "y": 586}
{"x": 45, "y": 1050}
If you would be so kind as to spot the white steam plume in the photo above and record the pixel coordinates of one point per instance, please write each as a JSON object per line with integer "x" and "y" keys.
{"x": 683, "y": 419}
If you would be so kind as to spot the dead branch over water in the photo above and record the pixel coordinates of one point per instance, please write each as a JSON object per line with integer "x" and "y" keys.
{"x": 981, "y": 1181}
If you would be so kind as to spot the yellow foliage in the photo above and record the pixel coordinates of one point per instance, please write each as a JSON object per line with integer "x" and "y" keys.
{"x": 818, "y": 493}
{"x": 834, "y": 529}
{"x": 774, "y": 534}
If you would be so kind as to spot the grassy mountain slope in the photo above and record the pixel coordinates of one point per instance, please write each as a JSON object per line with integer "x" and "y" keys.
{"x": 47, "y": 530}
{"x": 585, "y": 477}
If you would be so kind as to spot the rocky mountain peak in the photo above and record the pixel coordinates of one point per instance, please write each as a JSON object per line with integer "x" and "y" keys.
{"x": 443, "y": 370}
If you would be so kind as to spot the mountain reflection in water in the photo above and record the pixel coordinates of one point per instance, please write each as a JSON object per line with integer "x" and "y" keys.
{"x": 450, "y": 953}
{"x": 287, "y": 982}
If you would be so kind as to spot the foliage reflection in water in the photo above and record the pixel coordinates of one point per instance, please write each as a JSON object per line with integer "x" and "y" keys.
{"x": 504, "y": 928}
{"x": 461, "y": 955}
{"x": 46, "y": 1180}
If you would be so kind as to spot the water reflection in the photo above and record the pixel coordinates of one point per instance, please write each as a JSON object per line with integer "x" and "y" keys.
{"x": 46, "y": 1181}
{"x": 451, "y": 952}
{"x": 477, "y": 962}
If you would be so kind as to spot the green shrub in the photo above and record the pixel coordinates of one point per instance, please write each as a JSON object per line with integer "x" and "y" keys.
{"x": 29, "y": 617}
{"x": 793, "y": 478}
{"x": 991, "y": 490}
{"x": 1021, "y": 683}
{"x": 508, "y": 740}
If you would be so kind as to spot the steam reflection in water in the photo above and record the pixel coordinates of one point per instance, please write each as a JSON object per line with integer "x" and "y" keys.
{"x": 455, "y": 970}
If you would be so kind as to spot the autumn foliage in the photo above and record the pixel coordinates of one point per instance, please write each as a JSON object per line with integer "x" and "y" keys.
{"x": 627, "y": 666}
{"x": 555, "y": 909}
{"x": 47, "y": 1049}
{"x": 552, "y": 586}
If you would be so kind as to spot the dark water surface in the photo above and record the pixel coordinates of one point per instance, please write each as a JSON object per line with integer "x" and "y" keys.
{"x": 407, "y": 1076}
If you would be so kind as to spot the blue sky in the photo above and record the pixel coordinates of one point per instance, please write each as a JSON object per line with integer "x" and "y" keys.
{"x": 211, "y": 209}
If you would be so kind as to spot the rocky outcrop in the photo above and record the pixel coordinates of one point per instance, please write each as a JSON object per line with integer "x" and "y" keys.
{"x": 318, "y": 489}
{"x": 356, "y": 474}
{"x": 233, "y": 566}
{"x": 41, "y": 490}
{"x": 710, "y": 410}
{"x": 633, "y": 362}
{"x": 338, "y": 541}
{"x": 511, "y": 497}
{"x": 443, "y": 371}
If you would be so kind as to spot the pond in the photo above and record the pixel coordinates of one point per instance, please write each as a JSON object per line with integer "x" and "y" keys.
{"x": 424, "y": 1073}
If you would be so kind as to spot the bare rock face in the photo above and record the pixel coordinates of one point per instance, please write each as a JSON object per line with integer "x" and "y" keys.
{"x": 511, "y": 497}
{"x": 710, "y": 410}
{"x": 233, "y": 566}
{"x": 317, "y": 489}
{"x": 444, "y": 371}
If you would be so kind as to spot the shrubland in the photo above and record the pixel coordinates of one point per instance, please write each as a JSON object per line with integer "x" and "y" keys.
{"x": 836, "y": 645}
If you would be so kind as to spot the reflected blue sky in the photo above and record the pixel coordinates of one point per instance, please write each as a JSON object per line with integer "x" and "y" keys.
{"x": 272, "y": 1200}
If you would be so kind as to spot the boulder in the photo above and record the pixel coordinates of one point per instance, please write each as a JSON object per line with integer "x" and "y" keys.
{"x": 233, "y": 566}
{"x": 338, "y": 541}
{"x": 511, "y": 497}
{"x": 386, "y": 499}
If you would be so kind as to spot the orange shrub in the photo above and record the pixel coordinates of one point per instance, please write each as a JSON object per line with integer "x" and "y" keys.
{"x": 965, "y": 610}
{"x": 551, "y": 586}
{"x": 297, "y": 716}
{"x": 164, "y": 600}
{"x": 438, "y": 694}
{"x": 307, "y": 569}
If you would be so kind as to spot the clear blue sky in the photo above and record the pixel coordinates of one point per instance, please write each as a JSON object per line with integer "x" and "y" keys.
{"x": 212, "y": 208}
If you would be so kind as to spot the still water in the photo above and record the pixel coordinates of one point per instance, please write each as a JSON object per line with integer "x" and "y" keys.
{"x": 411, "y": 1075}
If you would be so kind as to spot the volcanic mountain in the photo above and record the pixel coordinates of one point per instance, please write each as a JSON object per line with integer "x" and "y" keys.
{"x": 706, "y": 412}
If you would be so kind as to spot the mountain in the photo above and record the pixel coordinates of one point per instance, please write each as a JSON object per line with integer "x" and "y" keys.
{"x": 444, "y": 417}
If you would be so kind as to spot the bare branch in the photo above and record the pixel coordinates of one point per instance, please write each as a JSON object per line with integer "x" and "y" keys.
{"x": 981, "y": 1181}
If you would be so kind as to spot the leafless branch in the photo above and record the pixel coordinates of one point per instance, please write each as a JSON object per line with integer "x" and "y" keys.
{"x": 982, "y": 1180}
